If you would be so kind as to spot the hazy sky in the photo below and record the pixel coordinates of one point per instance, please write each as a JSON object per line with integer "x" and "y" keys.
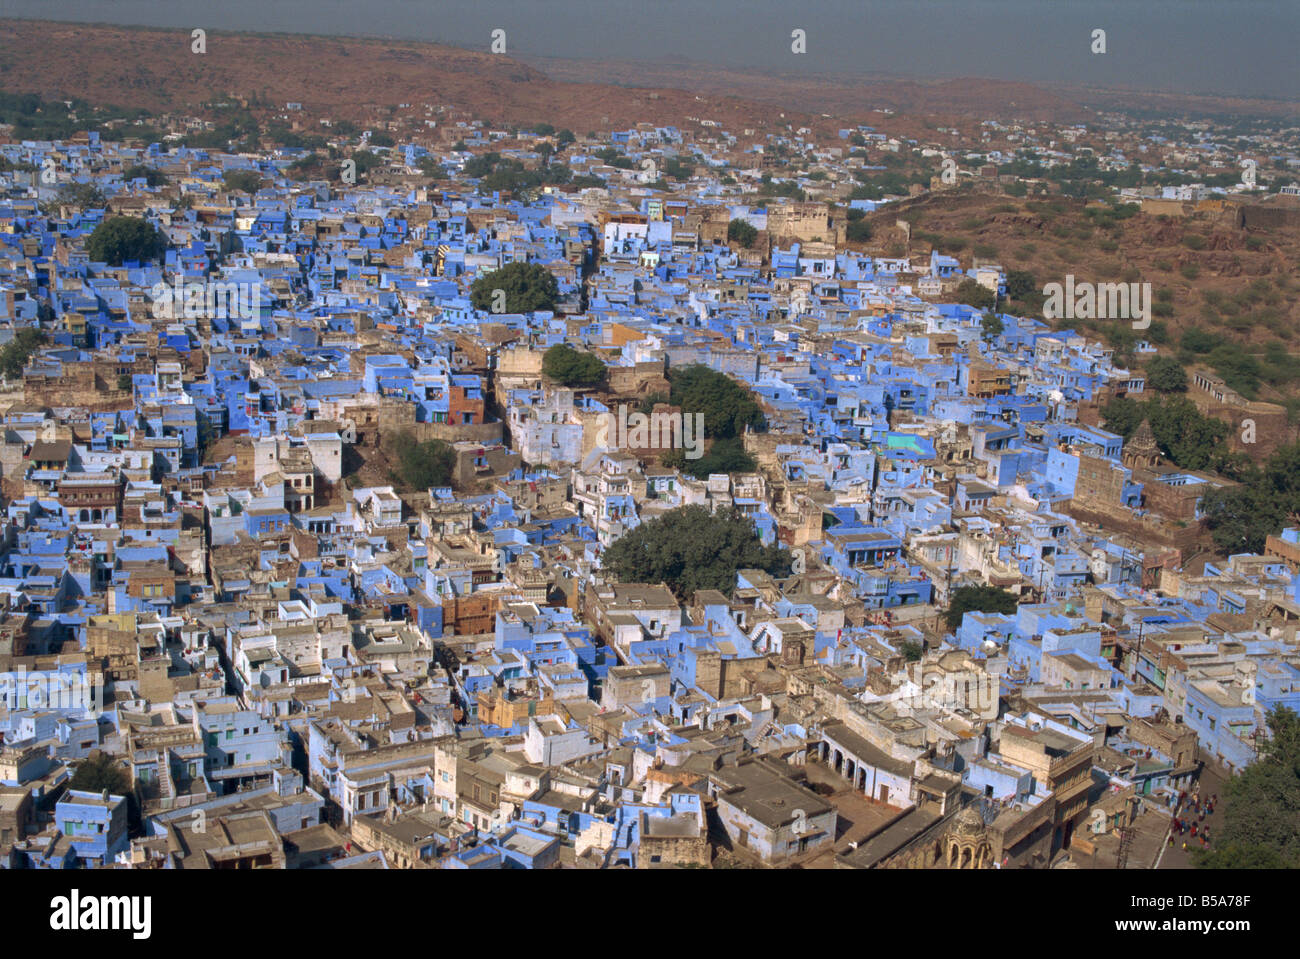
{"x": 1243, "y": 47}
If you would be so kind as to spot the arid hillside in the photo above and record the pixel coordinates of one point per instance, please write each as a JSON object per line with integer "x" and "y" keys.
{"x": 1230, "y": 282}
{"x": 345, "y": 78}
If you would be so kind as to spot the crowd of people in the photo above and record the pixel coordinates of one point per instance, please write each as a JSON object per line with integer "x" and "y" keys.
{"x": 1189, "y": 819}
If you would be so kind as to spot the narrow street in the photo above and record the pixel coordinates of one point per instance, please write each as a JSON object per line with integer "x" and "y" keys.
{"x": 1211, "y": 783}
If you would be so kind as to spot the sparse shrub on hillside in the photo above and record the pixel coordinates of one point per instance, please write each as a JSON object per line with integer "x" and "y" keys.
{"x": 1239, "y": 370}
{"x": 1198, "y": 341}
{"x": 1190, "y": 271}
{"x": 1276, "y": 324}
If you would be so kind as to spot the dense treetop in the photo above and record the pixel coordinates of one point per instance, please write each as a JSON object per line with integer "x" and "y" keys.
{"x": 689, "y": 549}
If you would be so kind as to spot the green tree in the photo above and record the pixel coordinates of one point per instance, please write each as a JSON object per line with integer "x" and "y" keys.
{"x": 858, "y": 231}
{"x": 151, "y": 175}
{"x": 991, "y": 326}
{"x": 724, "y": 456}
{"x": 727, "y": 407}
{"x": 527, "y": 286}
{"x": 100, "y": 771}
{"x": 1191, "y": 440}
{"x": 983, "y": 599}
{"x": 742, "y": 232}
{"x": 570, "y": 367}
{"x": 16, "y": 353}
{"x": 1020, "y": 283}
{"x": 82, "y": 196}
{"x": 1122, "y": 416}
{"x": 242, "y": 181}
{"x": 1186, "y": 436}
{"x": 1261, "y": 805}
{"x": 1166, "y": 375}
{"x": 366, "y": 161}
{"x": 121, "y": 238}
{"x": 972, "y": 294}
{"x": 1199, "y": 341}
{"x": 420, "y": 466}
{"x": 691, "y": 548}
{"x": 206, "y": 435}
{"x": 1241, "y": 518}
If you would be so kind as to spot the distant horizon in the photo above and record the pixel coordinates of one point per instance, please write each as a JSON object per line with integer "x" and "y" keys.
{"x": 1193, "y": 47}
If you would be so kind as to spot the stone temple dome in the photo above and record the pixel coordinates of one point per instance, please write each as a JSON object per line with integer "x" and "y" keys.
{"x": 968, "y": 823}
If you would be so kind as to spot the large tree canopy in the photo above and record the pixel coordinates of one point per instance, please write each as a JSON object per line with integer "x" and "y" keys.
{"x": 724, "y": 456}
{"x": 100, "y": 771}
{"x": 16, "y": 353}
{"x": 527, "y": 287}
{"x": 982, "y": 599}
{"x": 1261, "y": 813}
{"x": 742, "y": 232}
{"x": 1167, "y": 375}
{"x": 1241, "y": 518}
{"x": 1190, "y": 439}
{"x": 121, "y": 238}
{"x": 727, "y": 407}
{"x": 690, "y": 549}
{"x": 570, "y": 367}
